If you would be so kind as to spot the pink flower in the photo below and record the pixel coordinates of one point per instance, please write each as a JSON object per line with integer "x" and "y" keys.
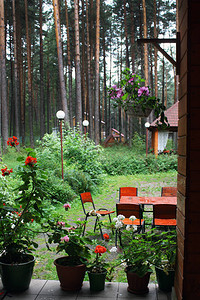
{"x": 67, "y": 206}
{"x": 79, "y": 219}
{"x": 143, "y": 91}
{"x": 61, "y": 223}
{"x": 65, "y": 238}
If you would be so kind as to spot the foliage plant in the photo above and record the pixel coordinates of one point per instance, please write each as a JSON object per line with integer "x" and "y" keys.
{"x": 19, "y": 216}
{"x": 132, "y": 92}
{"x": 136, "y": 248}
{"x": 164, "y": 246}
{"x": 69, "y": 239}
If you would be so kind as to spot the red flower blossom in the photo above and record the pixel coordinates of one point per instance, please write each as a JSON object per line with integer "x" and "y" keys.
{"x": 100, "y": 249}
{"x": 12, "y": 141}
{"x": 32, "y": 220}
{"x": 30, "y": 161}
{"x": 6, "y": 172}
{"x": 106, "y": 237}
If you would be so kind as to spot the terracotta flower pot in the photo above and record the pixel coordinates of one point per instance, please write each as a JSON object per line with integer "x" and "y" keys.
{"x": 70, "y": 277}
{"x": 138, "y": 285}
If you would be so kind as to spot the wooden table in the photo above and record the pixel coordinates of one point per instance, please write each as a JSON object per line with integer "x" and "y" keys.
{"x": 148, "y": 200}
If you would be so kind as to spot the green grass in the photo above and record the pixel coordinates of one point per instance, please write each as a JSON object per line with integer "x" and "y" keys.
{"x": 106, "y": 196}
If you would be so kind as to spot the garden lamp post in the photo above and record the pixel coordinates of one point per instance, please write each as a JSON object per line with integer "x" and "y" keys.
{"x": 61, "y": 115}
{"x": 147, "y": 125}
{"x": 85, "y": 125}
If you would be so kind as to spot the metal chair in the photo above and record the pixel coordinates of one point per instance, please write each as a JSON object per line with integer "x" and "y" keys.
{"x": 87, "y": 198}
{"x": 169, "y": 191}
{"x": 164, "y": 215}
{"x": 127, "y": 191}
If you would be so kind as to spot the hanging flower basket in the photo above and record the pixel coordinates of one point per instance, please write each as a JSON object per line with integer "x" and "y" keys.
{"x": 136, "y": 99}
{"x": 137, "y": 111}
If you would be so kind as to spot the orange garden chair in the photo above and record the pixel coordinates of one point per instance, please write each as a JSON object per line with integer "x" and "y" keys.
{"x": 164, "y": 215}
{"x": 169, "y": 191}
{"x": 127, "y": 191}
{"x": 128, "y": 210}
{"x": 87, "y": 198}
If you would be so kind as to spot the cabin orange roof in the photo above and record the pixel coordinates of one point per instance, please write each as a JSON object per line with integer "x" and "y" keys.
{"x": 172, "y": 116}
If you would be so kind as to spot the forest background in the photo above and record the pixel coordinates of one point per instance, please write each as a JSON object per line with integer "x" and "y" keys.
{"x": 64, "y": 54}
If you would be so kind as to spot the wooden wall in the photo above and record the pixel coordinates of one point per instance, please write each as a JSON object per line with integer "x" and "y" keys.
{"x": 187, "y": 279}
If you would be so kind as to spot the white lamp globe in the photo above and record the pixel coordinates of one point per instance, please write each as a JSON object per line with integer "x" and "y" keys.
{"x": 60, "y": 115}
{"x": 147, "y": 124}
{"x": 85, "y": 123}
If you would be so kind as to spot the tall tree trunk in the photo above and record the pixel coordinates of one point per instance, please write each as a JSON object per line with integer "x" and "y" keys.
{"x": 42, "y": 106}
{"x": 126, "y": 36}
{"x": 83, "y": 81}
{"x": 30, "y": 104}
{"x": 155, "y": 51}
{"x": 132, "y": 37}
{"x": 163, "y": 81}
{"x": 69, "y": 66}
{"x": 105, "y": 119}
{"x": 16, "y": 81}
{"x": 20, "y": 71}
{"x": 60, "y": 60}
{"x": 145, "y": 44}
{"x": 90, "y": 98}
{"x": 77, "y": 67}
{"x": 96, "y": 108}
{"x": 4, "y": 108}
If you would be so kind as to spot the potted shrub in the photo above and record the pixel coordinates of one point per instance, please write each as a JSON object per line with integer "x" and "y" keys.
{"x": 97, "y": 270}
{"x": 136, "y": 253}
{"x": 135, "y": 98}
{"x": 18, "y": 218}
{"x": 164, "y": 258}
{"x": 70, "y": 268}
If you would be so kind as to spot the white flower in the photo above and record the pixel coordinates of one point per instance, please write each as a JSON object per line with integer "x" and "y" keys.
{"x": 92, "y": 212}
{"x": 20, "y": 192}
{"x": 115, "y": 219}
{"x": 134, "y": 227}
{"x": 13, "y": 226}
{"x": 132, "y": 218}
{"x": 128, "y": 227}
{"x": 118, "y": 224}
{"x": 120, "y": 217}
{"x": 113, "y": 249}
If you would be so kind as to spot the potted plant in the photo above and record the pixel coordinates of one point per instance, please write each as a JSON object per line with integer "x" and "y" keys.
{"x": 97, "y": 270}
{"x": 164, "y": 258}
{"x": 70, "y": 268}
{"x": 136, "y": 253}
{"x": 18, "y": 218}
{"x": 135, "y": 98}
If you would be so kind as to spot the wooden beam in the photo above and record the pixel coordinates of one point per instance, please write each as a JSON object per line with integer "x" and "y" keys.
{"x": 155, "y": 42}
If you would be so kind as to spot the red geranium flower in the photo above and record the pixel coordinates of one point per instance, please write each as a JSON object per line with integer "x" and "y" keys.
{"x": 6, "y": 172}
{"x": 31, "y": 161}
{"x": 12, "y": 141}
{"x": 106, "y": 237}
{"x": 100, "y": 249}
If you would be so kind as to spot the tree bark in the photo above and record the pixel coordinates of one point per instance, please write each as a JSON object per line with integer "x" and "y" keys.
{"x": 30, "y": 104}
{"x": 145, "y": 44}
{"x": 69, "y": 66}
{"x": 77, "y": 68}
{"x": 90, "y": 98}
{"x": 126, "y": 36}
{"x": 42, "y": 106}
{"x": 4, "y": 108}
{"x": 16, "y": 81}
{"x": 96, "y": 108}
{"x": 60, "y": 60}
{"x": 155, "y": 52}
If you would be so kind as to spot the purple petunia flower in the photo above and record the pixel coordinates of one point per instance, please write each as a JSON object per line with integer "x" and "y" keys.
{"x": 143, "y": 91}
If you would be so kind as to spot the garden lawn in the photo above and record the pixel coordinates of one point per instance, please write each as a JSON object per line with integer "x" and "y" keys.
{"x": 107, "y": 196}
